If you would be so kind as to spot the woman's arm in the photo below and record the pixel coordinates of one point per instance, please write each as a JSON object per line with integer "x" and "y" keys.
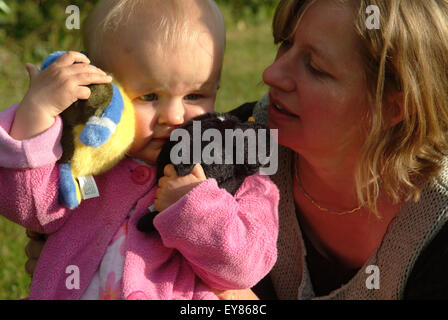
{"x": 33, "y": 250}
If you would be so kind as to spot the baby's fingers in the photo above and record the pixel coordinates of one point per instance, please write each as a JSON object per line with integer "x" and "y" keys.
{"x": 70, "y": 58}
{"x": 32, "y": 70}
{"x": 163, "y": 181}
{"x": 158, "y": 205}
{"x": 84, "y": 79}
{"x": 84, "y": 68}
{"x": 199, "y": 173}
{"x": 169, "y": 171}
{"x": 83, "y": 93}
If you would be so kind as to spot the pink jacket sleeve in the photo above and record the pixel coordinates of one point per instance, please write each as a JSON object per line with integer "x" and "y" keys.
{"x": 29, "y": 176}
{"x": 229, "y": 241}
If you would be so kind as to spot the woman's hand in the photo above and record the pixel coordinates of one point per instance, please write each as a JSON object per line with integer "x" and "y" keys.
{"x": 33, "y": 250}
{"x": 172, "y": 187}
{"x": 246, "y": 294}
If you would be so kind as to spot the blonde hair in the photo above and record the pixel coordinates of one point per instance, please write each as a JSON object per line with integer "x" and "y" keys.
{"x": 408, "y": 55}
{"x": 171, "y": 20}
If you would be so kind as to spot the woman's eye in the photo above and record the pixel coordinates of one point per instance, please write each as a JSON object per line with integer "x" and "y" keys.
{"x": 193, "y": 96}
{"x": 315, "y": 71}
{"x": 149, "y": 97}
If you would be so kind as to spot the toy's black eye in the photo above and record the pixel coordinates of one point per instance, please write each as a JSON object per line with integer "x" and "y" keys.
{"x": 149, "y": 97}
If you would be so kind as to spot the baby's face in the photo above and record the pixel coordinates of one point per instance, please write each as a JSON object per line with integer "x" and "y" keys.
{"x": 168, "y": 86}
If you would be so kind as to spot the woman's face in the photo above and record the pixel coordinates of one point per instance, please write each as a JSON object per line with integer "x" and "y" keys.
{"x": 318, "y": 81}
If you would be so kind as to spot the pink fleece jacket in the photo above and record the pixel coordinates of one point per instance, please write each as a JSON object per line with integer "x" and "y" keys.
{"x": 207, "y": 238}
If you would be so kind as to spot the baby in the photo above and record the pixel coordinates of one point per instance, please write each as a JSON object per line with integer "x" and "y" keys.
{"x": 167, "y": 55}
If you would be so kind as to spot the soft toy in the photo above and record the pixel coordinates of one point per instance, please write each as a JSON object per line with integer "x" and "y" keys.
{"x": 228, "y": 176}
{"x": 96, "y": 135}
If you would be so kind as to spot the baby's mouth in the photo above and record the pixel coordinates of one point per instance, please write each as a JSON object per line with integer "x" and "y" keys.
{"x": 157, "y": 142}
{"x": 161, "y": 137}
{"x": 160, "y": 140}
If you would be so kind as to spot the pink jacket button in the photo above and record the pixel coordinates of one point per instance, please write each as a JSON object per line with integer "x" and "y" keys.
{"x": 141, "y": 175}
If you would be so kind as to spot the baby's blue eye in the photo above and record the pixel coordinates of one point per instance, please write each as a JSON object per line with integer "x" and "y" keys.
{"x": 149, "y": 97}
{"x": 193, "y": 96}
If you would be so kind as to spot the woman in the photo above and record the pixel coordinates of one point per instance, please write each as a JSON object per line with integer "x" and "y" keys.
{"x": 363, "y": 118}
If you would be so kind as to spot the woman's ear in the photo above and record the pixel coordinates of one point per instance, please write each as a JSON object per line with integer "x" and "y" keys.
{"x": 395, "y": 109}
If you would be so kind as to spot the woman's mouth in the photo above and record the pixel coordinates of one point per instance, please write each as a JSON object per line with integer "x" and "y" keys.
{"x": 279, "y": 109}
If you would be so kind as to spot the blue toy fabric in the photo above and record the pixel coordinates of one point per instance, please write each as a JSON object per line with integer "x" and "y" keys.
{"x": 98, "y": 130}
{"x": 67, "y": 187}
{"x": 50, "y": 59}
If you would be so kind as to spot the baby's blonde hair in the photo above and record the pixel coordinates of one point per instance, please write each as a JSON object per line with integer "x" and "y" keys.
{"x": 408, "y": 55}
{"x": 171, "y": 21}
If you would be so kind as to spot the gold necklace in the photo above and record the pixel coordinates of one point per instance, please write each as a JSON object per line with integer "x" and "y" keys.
{"x": 316, "y": 204}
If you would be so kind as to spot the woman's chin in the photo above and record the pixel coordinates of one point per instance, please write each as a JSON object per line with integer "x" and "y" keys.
{"x": 288, "y": 140}
{"x": 271, "y": 124}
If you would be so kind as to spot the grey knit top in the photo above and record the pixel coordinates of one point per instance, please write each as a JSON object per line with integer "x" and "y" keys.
{"x": 408, "y": 234}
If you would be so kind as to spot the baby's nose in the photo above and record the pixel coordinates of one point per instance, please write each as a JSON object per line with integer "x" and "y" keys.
{"x": 172, "y": 114}
{"x": 177, "y": 119}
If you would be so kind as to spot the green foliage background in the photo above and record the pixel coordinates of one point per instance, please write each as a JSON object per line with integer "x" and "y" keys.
{"x": 31, "y": 29}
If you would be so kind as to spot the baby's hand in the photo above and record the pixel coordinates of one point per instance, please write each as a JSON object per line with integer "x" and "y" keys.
{"x": 172, "y": 187}
{"x": 53, "y": 90}
{"x": 57, "y": 87}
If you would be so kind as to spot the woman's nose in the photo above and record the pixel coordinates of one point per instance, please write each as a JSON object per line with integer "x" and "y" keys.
{"x": 171, "y": 113}
{"x": 278, "y": 75}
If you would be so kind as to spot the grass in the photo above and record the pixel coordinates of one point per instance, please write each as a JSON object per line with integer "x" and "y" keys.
{"x": 249, "y": 50}
{"x": 14, "y": 282}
